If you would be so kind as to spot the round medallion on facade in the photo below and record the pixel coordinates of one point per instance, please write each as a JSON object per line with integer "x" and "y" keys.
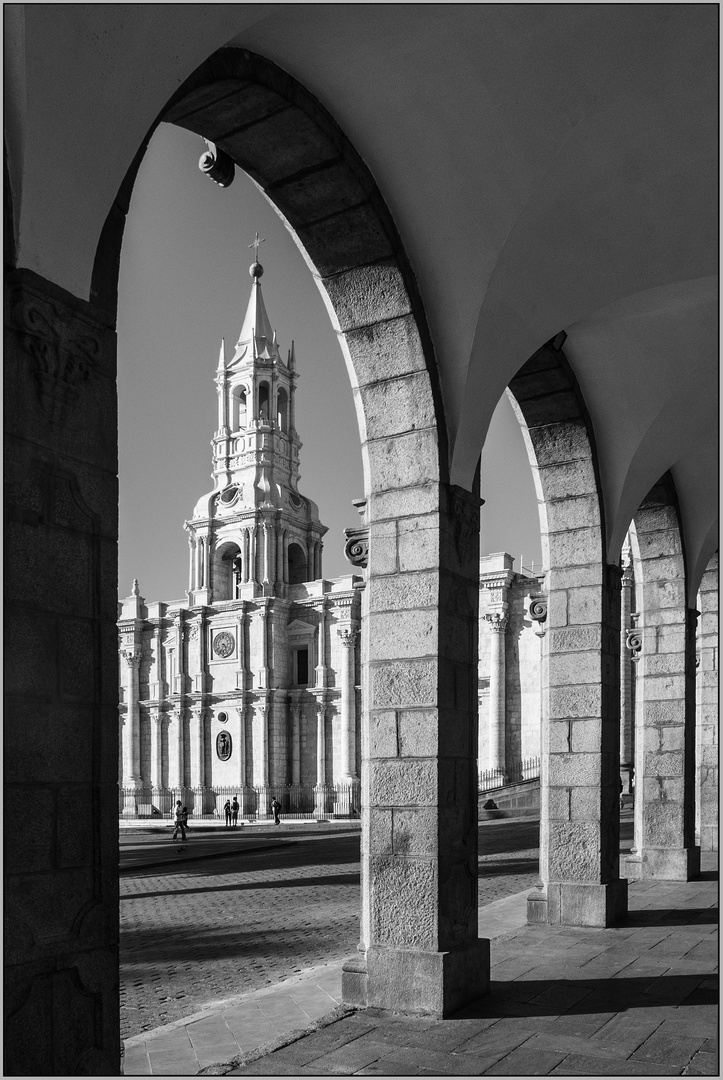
{"x": 223, "y": 644}
{"x": 223, "y": 717}
{"x": 223, "y": 745}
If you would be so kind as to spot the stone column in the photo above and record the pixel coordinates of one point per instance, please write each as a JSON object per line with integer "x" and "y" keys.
{"x": 267, "y": 578}
{"x": 296, "y": 743}
{"x": 176, "y": 778}
{"x": 420, "y": 946}
{"x": 132, "y": 724}
{"x": 579, "y": 826}
{"x": 191, "y": 562}
{"x": 665, "y": 738}
{"x": 321, "y": 675}
{"x": 197, "y": 747}
{"x": 708, "y": 709}
{"x": 321, "y": 793}
{"x": 157, "y": 750}
{"x": 349, "y": 639}
{"x": 498, "y": 628}
{"x": 61, "y": 682}
{"x": 626, "y": 676}
{"x": 260, "y": 736}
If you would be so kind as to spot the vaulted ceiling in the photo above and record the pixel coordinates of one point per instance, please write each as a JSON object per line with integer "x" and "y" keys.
{"x": 548, "y": 167}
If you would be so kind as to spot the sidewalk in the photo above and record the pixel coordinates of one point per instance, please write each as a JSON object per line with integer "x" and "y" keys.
{"x": 639, "y": 999}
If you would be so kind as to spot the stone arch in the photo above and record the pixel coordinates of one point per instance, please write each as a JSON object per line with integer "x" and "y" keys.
{"x": 222, "y": 581}
{"x": 419, "y": 643}
{"x": 298, "y": 568}
{"x": 579, "y": 828}
{"x": 664, "y": 695}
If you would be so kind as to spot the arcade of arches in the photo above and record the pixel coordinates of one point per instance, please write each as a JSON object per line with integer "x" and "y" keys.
{"x": 573, "y": 253}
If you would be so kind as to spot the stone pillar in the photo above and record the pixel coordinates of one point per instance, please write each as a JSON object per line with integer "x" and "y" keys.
{"x": 665, "y": 738}
{"x": 132, "y": 723}
{"x": 197, "y": 747}
{"x": 579, "y": 826}
{"x": 296, "y": 742}
{"x": 349, "y": 638}
{"x": 321, "y": 791}
{"x": 626, "y": 676}
{"x": 176, "y": 778}
{"x": 60, "y": 683}
{"x": 498, "y": 628}
{"x": 157, "y": 750}
{"x": 267, "y": 554}
{"x": 707, "y": 679}
{"x": 321, "y": 675}
{"x": 420, "y": 945}
{"x": 191, "y": 562}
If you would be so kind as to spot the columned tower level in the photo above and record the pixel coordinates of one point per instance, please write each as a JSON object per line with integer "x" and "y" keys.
{"x": 254, "y": 534}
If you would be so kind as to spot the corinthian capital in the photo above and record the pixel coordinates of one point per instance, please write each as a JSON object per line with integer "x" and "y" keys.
{"x": 498, "y": 621}
{"x": 349, "y": 637}
{"x": 131, "y": 657}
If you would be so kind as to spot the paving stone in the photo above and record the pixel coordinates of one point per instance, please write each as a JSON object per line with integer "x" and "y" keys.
{"x": 524, "y": 1062}
{"x": 561, "y": 996}
{"x": 625, "y": 1031}
{"x": 582, "y": 1065}
{"x": 266, "y": 1066}
{"x": 347, "y": 1059}
{"x": 502, "y": 1038}
{"x": 669, "y": 1048}
{"x": 702, "y": 1065}
{"x": 389, "y": 1068}
{"x": 425, "y": 1061}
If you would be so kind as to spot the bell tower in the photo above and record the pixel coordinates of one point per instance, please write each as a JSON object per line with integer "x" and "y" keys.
{"x": 254, "y": 534}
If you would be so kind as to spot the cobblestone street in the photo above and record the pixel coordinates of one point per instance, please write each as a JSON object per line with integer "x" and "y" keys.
{"x": 214, "y": 928}
{"x": 218, "y": 927}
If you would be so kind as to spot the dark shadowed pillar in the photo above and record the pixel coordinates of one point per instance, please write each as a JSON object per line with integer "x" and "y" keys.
{"x": 61, "y": 685}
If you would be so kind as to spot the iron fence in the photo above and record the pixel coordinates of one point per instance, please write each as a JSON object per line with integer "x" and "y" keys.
{"x": 299, "y": 802}
{"x": 492, "y": 779}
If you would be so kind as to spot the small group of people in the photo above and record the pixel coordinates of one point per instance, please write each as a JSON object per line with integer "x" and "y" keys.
{"x": 230, "y": 812}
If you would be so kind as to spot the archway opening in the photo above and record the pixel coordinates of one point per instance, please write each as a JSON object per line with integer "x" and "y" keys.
{"x": 298, "y": 572}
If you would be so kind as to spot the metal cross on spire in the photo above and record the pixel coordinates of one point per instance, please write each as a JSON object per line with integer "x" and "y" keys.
{"x": 255, "y": 246}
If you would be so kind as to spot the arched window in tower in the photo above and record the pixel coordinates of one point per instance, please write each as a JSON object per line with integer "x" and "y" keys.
{"x": 282, "y": 410}
{"x": 238, "y": 417}
{"x": 226, "y": 572}
{"x": 264, "y": 402}
{"x": 297, "y": 565}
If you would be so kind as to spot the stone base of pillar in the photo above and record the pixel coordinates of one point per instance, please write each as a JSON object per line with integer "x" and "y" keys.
{"x": 709, "y": 838}
{"x": 323, "y": 800}
{"x": 567, "y": 903}
{"x": 662, "y": 864}
{"x": 626, "y": 776}
{"x": 427, "y": 983}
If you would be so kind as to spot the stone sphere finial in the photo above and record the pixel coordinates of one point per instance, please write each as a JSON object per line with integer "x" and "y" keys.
{"x": 256, "y": 270}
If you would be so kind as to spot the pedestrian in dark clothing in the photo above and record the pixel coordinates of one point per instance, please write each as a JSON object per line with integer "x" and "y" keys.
{"x": 181, "y": 821}
{"x": 227, "y": 812}
{"x": 234, "y": 810}
{"x": 275, "y": 807}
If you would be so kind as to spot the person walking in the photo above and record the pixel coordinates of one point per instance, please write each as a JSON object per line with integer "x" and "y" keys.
{"x": 181, "y": 820}
{"x": 234, "y": 811}
{"x": 227, "y": 812}
{"x": 275, "y": 807}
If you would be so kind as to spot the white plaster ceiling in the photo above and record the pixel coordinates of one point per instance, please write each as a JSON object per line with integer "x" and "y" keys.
{"x": 548, "y": 167}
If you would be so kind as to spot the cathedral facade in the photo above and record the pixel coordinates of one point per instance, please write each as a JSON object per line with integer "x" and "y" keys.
{"x": 250, "y": 685}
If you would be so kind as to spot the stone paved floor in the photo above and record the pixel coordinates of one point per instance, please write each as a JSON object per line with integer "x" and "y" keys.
{"x": 639, "y": 999}
{"x": 195, "y": 932}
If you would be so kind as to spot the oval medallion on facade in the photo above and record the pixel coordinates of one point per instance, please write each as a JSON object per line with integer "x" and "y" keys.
{"x": 223, "y": 745}
{"x": 223, "y": 644}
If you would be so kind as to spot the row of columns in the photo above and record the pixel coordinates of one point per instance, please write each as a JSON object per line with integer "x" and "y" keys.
{"x": 260, "y": 711}
{"x": 263, "y": 558}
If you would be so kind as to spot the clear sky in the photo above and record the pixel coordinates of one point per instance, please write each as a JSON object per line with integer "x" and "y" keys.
{"x": 185, "y": 284}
